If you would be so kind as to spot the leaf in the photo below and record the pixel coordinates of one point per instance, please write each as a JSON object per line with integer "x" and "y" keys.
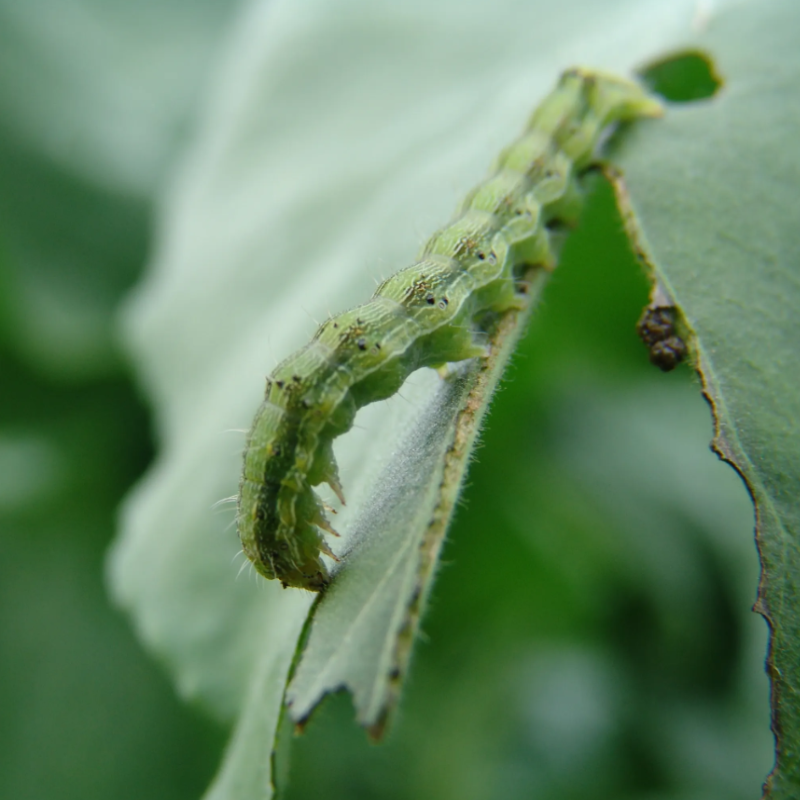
{"x": 313, "y": 174}
{"x": 726, "y": 248}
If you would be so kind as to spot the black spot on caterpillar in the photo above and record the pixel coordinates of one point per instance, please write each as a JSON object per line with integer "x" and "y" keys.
{"x": 656, "y": 328}
{"x": 426, "y": 315}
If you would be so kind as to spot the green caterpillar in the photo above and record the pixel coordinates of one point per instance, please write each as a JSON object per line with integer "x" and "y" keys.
{"x": 426, "y": 315}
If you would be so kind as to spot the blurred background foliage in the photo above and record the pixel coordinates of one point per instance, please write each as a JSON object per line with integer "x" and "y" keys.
{"x": 94, "y": 97}
{"x": 590, "y": 634}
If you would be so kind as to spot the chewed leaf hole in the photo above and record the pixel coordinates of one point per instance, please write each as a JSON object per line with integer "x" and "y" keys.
{"x": 683, "y": 77}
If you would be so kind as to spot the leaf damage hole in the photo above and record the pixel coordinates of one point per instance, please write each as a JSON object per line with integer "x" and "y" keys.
{"x": 683, "y": 77}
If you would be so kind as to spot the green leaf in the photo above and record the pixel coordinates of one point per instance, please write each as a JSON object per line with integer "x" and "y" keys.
{"x": 715, "y": 194}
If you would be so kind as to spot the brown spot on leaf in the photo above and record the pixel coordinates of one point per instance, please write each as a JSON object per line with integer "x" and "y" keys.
{"x": 656, "y": 328}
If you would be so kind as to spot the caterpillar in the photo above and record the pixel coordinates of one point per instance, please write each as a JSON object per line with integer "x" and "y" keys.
{"x": 433, "y": 312}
